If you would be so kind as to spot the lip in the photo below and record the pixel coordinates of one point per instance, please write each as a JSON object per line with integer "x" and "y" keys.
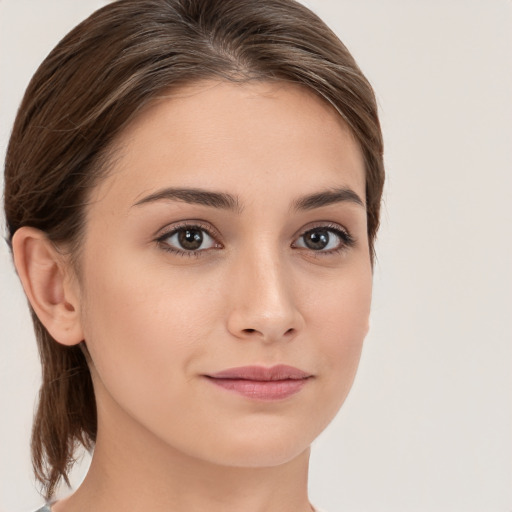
{"x": 261, "y": 383}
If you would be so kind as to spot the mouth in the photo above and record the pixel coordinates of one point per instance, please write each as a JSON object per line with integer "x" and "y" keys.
{"x": 261, "y": 383}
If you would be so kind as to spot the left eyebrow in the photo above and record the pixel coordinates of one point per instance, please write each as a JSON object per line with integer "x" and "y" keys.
{"x": 327, "y": 197}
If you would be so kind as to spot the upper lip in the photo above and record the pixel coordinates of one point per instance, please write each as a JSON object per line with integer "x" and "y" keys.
{"x": 261, "y": 373}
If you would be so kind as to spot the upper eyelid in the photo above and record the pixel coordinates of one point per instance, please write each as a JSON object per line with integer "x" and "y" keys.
{"x": 169, "y": 230}
{"x": 329, "y": 225}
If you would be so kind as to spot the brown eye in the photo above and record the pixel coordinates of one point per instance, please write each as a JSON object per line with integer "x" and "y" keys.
{"x": 324, "y": 239}
{"x": 188, "y": 239}
{"x": 316, "y": 240}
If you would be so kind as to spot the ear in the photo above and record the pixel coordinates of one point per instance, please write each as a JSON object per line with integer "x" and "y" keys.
{"x": 46, "y": 277}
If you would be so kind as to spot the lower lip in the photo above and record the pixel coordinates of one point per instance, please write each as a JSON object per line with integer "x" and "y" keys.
{"x": 261, "y": 390}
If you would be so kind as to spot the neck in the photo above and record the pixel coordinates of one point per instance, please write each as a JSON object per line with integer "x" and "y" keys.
{"x": 133, "y": 470}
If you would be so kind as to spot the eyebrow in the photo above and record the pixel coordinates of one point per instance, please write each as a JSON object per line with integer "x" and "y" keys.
{"x": 226, "y": 201}
{"x": 194, "y": 196}
{"x": 326, "y": 198}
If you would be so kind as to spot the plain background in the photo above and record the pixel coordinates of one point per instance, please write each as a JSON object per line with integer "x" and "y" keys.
{"x": 428, "y": 424}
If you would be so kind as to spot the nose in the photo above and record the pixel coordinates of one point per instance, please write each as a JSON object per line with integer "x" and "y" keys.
{"x": 263, "y": 305}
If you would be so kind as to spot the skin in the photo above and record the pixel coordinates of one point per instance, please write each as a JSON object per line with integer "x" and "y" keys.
{"x": 155, "y": 322}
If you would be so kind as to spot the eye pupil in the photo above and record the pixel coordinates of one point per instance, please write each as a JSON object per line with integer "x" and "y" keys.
{"x": 190, "y": 239}
{"x": 318, "y": 239}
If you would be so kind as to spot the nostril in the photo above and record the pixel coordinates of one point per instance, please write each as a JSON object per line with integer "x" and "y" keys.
{"x": 289, "y": 332}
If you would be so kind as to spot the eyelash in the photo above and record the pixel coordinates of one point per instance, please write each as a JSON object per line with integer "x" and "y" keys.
{"x": 347, "y": 240}
{"x": 161, "y": 240}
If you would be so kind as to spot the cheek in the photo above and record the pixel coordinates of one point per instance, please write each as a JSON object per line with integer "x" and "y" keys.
{"x": 143, "y": 330}
{"x": 340, "y": 319}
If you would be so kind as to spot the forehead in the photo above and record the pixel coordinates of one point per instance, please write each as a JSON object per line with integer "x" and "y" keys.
{"x": 249, "y": 138}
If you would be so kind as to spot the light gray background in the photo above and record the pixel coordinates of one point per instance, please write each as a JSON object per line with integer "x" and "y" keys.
{"x": 428, "y": 424}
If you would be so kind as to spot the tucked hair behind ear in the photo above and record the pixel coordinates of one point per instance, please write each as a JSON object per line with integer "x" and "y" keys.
{"x": 93, "y": 84}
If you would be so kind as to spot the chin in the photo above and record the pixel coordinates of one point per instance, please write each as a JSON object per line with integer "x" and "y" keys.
{"x": 265, "y": 447}
{"x": 260, "y": 456}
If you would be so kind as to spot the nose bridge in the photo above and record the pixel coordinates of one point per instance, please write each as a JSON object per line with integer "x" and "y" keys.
{"x": 264, "y": 301}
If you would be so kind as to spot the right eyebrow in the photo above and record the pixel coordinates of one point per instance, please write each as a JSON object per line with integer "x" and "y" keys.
{"x": 194, "y": 196}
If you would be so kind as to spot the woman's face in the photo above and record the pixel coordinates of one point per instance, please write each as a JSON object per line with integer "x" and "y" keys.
{"x": 230, "y": 233}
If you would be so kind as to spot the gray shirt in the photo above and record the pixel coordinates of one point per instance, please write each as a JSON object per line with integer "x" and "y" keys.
{"x": 46, "y": 508}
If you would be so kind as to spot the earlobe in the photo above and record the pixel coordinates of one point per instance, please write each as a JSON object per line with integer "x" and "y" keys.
{"x": 45, "y": 276}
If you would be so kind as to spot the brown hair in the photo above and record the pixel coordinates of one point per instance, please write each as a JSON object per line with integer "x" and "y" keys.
{"x": 90, "y": 87}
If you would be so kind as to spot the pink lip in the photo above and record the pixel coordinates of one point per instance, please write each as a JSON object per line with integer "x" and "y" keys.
{"x": 262, "y": 383}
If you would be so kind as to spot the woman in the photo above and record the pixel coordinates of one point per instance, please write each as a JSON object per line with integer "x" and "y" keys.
{"x": 192, "y": 194}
